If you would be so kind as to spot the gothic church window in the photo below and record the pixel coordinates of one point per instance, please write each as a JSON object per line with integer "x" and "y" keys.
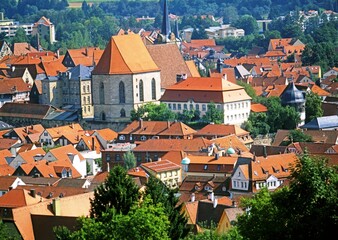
{"x": 103, "y": 116}
{"x": 122, "y": 95}
{"x": 123, "y": 113}
{"x": 101, "y": 93}
{"x": 153, "y": 89}
{"x": 141, "y": 91}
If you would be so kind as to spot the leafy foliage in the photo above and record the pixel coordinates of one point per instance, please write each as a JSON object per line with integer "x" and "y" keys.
{"x": 153, "y": 112}
{"x": 310, "y": 213}
{"x": 118, "y": 191}
{"x": 313, "y": 107}
{"x": 129, "y": 160}
{"x": 298, "y": 135}
{"x": 213, "y": 114}
{"x": 162, "y": 194}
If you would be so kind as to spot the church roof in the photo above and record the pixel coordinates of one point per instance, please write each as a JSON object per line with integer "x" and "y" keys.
{"x": 322, "y": 122}
{"x": 125, "y": 54}
{"x": 292, "y": 95}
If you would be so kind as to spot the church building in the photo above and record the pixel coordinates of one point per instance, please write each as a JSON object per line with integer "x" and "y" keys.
{"x": 125, "y": 78}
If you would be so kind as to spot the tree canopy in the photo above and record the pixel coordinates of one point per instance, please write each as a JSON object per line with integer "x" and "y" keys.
{"x": 153, "y": 112}
{"x": 313, "y": 107}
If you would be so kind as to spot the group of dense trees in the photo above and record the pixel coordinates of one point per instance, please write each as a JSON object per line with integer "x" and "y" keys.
{"x": 120, "y": 211}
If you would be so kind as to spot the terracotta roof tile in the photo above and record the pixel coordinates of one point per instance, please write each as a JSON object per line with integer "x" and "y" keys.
{"x": 160, "y": 166}
{"x": 22, "y": 48}
{"x": 192, "y": 68}
{"x": 23, "y": 132}
{"x": 231, "y": 141}
{"x": 107, "y": 134}
{"x": 28, "y": 156}
{"x": 85, "y": 56}
{"x": 3, "y": 154}
{"x": 258, "y": 107}
{"x": 6, "y": 170}
{"x": 17, "y": 198}
{"x": 125, "y": 54}
{"x": 13, "y": 85}
{"x": 7, "y": 143}
{"x": 220, "y": 130}
{"x": 6, "y": 182}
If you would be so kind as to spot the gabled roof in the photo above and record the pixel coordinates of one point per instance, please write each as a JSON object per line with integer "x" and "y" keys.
{"x": 86, "y": 56}
{"x": 18, "y": 198}
{"x": 3, "y": 154}
{"x": 192, "y": 68}
{"x": 107, "y": 134}
{"x": 6, "y": 170}
{"x": 258, "y": 107}
{"x": 23, "y": 132}
{"x": 177, "y": 129}
{"x": 57, "y": 132}
{"x": 81, "y": 72}
{"x": 230, "y": 141}
{"x": 28, "y": 156}
{"x": 6, "y": 182}
{"x": 22, "y": 48}
{"x": 13, "y": 86}
{"x": 125, "y": 54}
{"x": 169, "y": 59}
{"x": 52, "y": 68}
{"x": 36, "y": 111}
{"x": 62, "y": 152}
{"x": 7, "y": 143}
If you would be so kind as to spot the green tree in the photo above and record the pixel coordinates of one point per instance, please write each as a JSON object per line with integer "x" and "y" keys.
{"x": 161, "y": 194}
{"x": 129, "y": 160}
{"x": 213, "y": 114}
{"x": 257, "y": 123}
{"x": 118, "y": 191}
{"x": 313, "y": 107}
{"x": 248, "y": 23}
{"x": 20, "y": 36}
{"x": 310, "y": 213}
{"x": 6, "y": 234}
{"x": 153, "y": 112}
{"x": 248, "y": 89}
{"x": 298, "y": 135}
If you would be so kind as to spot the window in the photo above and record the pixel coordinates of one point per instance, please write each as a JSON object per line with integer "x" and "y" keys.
{"x": 108, "y": 158}
{"x": 88, "y": 88}
{"x": 143, "y": 138}
{"x": 179, "y": 106}
{"x": 103, "y": 116}
{"x": 197, "y": 106}
{"x": 123, "y": 113}
{"x": 141, "y": 91}
{"x": 117, "y": 157}
{"x": 84, "y": 89}
{"x": 169, "y": 106}
{"x": 185, "y": 106}
{"x": 122, "y": 138}
{"x": 138, "y": 158}
{"x": 191, "y": 107}
{"x": 84, "y": 100}
{"x": 153, "y": 89}
{"x": 204, "y": 108}
{"x": 122, "y": 96}
{"x": 45, "y": 134}
{"x": 88, "y": 108}
{"x": 205, "y": 167}
{"x": 101, "y": 93}
{"x": 174, "y": 106}
{"x": 88, "y": 99}
{"x": 218, "y": 167}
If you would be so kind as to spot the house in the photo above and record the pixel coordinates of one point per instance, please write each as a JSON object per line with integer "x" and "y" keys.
{"x": 13, "y": 90}
{"x": 5, "y": 50}
{"x": 45, "y": 29}
{"x": 32, "y": 216}
{"x": 63, "y": 135}
{"x": 126, "y": 71}
{"x": 224, "y": 31}
{"x": 165, "y": 170}
{"x": 27, "y": 157}
{"x": 197, "y": 93}
{"x": 142, "y": 130}
{"x": 76, "y": 89}
{"x": 252, "y": 174}
{"x": 105, "y": 136}
{"x": 333, "y": 71}
{"x": 88, "y": 57}
{"x": 26, "y": 134}
{"x": 68, "y": 152}
{"x": 228, "y": 219}
{"x": 288, "y": 46}
{"x": 212, "y": 131}
{"x": 9, "y": 182}
{"x": 258, "y": 107}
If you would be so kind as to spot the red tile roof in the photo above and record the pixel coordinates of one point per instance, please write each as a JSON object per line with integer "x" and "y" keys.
{"x": 258, "y": 107}
{"x": 13, "y": 85}
{"x": 18, "y": 198}
{"x": 161, "y": 166}
{"x": 220, "y": 130}
{"x": 125, "y": 54}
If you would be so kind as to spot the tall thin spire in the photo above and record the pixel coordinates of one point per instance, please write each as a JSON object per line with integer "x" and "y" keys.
{"x": 166, "y": 29}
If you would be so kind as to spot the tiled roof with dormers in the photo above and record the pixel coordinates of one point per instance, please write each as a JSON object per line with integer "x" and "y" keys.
{"x": 211, "y": 160}
{"x": 177, "y": 129}
{"x": 233, "y": 62}
{"x": 13, "y": 86}
{"x": 23, "y": 132}
{"x": 169, "y": 59}
{"x": 107, "y": 134}
{"x": 29, "y": 156}
{"x": 221, "y": 130}
{"x": 18, "y": 198}
{"x": 92, "y": 143}
{"x": 66, "y": 130}
{"x": 162, "y": 165}
{"x": 277, "y": 165}
{"x": 227, "y": 73}
{"x": 22, "y": 49}
{"x": 50, "y": 192}
{"x": 3, "y": 154}
{"x": 231, "y": 141}
{"x": 166, "y": 145}
{"x": 311, "y": 148}
{"x": 85, "y": 56}
{"x": 125, "y": 54}
{"x": 62, "y": 152}
{"x": 53, "y": 68}
{"x": 279, "y": 43}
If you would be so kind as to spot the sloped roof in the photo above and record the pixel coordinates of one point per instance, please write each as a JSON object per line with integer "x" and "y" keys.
{"x": 258, "y": 107}
{"x": 292, "y": 95}
{"x": 62, "y": 152}
{"x": 22, "y": 48}
{"x": 125, "y": 54}
{"x": 3, "y": 154}
{"x": 6, "y": 182}
{"x": 24, "y": 110}
{"x": 13, "y": 86}
{"x": 169, "y": 59}
{"x": 17, "y": 198}
{"x": 28, "y": 156}
{"x": 192, "y": 68}
{"x": 322, "y": 123}
{"x": 230, "y": 141}
{"x": 81, "y": 71}
{"x": 107, "y": 134}
{"x": 221, "y": 130}
{"x": 160, "y": 166}
{"x": 5, "y": 170}
{"x": 177, "y": 129}
{"x": 86, "y": 56}
{"x": 7, "y": 143}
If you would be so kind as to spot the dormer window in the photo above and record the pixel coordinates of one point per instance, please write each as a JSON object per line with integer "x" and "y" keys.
{"x": 122, "y": 138}
{"x": 143, "y": 138}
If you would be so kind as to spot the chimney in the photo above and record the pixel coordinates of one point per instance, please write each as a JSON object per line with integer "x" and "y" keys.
{"x": 141, "y": 122}
{"x": 184, "y": 76}
{"x": 56, "y": 206}
{"x": 192, "y": 197}
{"x": 215, "y": 202}
{"x": 265, "y": 154}
{"x": 86, "y": 51}
{"x": 58, "y": 53}
{"x": 168, "y": 124}
{"x": 216, "y": 156}
{"x": 159, "y": 159}
{"x": 225, "y": 77}
{"x": 179, "y": 77}
{"x": 32, "y": 192}
{"x": 26, "y": 129}
{"x": 93, "y": 143}
{"x": 219, "y": 66}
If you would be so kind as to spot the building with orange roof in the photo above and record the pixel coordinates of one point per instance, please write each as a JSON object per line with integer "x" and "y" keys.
{"x": 9, "y": 182}
{"x": 5, "y": 50}
{"x": 22, "y": 133}
{"x": 258, "y": 107}
{"x": 6, "y": 170}
{"x": 52, "y": 136}
{"x": 332, "y": 72}
{"x": 252, "y": 174}
{"x": 19, "y": 49}
{"x": 127, "y": 71}
{"x": 45, "y": 29}
{"x": 88, "y": 57}
{"x": 14, "y": 90}
{"x": 105, "y": 136}
{"x": 212, "y": 131}
{"x": 288, "y": 46}
{"x": 168, "y": 172}
{"x": 142, "y": 130}
{"x": 232, "y": 145}
{"x": 197, "y": 93}
{"x": 27, "y": 157}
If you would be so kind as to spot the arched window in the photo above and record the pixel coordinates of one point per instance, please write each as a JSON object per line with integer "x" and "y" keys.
{"x": 84, "y": 89}
{"x": 122, "y": 95}
{"x": 101, "y": 93}
{"x": 88, "y": 88}
{"x": 123, "y": 113}
{"x": 103, "y": 116}
{"x": 141, "y": 91}
{"x": 84, "y": 100}
{"x": 153, "y": 89}
{"x": 88, "y": 99}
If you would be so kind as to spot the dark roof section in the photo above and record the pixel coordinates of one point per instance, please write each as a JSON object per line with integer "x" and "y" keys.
{"x": 260, "y": 150}
{"x": 322, "y": 123}
{"x": 81, "y": 71}
{"x": 292, "y": 95}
